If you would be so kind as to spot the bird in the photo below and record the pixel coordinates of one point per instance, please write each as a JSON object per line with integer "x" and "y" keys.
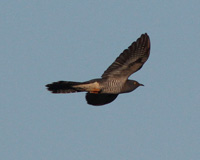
{"x": 114, "y": 80}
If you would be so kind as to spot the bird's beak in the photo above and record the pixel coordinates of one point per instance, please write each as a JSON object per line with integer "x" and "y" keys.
{"x": 141, "y": 85}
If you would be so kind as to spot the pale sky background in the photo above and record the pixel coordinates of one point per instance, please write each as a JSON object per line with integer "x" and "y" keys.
{"x": 43, "y": 41}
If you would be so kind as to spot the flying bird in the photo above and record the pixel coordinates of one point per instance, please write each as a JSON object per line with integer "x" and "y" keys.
{"x": 114, "y": 80}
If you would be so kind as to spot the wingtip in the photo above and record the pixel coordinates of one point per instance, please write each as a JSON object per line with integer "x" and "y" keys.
{"x": 145, "y": 34}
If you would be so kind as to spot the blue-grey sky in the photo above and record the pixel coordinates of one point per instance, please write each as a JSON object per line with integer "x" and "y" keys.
{"x": 45, "y": 41}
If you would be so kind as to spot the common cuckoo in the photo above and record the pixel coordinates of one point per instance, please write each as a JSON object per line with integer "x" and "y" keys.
{"x": 114, "y": 80}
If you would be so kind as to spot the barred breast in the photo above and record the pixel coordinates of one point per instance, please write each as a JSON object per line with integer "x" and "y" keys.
{"x": 112, "y": 86}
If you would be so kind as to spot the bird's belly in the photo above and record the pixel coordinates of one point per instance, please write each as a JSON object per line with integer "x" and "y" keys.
{"x": 111, "y": 88}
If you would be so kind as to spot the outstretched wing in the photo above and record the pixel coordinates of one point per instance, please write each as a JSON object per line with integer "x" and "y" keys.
{"x": 130, "y": 60}
{"x": 100, "y": 99}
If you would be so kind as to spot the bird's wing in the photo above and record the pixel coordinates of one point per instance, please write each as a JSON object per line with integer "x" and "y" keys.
{"x": 131, "y": 59}
{"x": 100, "y": 99}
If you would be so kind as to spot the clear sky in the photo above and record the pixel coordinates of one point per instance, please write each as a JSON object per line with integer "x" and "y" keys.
{"x": 45, "y": 41}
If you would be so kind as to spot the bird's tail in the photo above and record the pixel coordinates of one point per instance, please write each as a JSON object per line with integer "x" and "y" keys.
{"x": 65, "y": 87}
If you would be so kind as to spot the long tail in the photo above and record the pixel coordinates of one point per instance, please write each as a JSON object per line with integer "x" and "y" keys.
{"x": 65, "y": 87}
